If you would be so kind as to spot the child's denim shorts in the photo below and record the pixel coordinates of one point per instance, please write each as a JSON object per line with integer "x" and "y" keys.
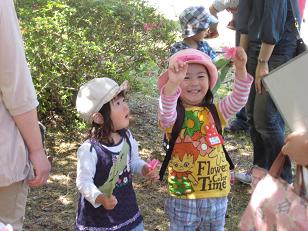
{"x": 198, "y": 214}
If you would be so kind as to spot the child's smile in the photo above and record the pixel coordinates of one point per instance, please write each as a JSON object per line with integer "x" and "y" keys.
{"x": 195, "y": 85}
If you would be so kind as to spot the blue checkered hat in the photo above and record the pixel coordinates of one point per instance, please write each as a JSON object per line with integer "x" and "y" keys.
{"x": 195, "y": 19}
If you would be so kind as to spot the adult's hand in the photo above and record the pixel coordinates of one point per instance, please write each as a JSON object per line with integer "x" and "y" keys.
{"x": 27, "y": 124}
{"x": 261, "y": 71}
{"x": 41, "y": 167}
{"x": 296, "y": 146}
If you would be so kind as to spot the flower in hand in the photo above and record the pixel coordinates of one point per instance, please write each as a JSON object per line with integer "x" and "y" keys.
{"x": 152, "y": 164}
{"x": 150, "y": 170}
{"x": 229, "y": 52}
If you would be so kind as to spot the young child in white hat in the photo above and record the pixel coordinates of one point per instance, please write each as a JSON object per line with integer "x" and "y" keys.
{"x": 107, "y": 159}
{"x": 198, "y": 169}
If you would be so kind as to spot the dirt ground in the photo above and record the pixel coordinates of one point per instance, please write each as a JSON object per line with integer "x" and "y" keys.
{"x": 52, "y": 207}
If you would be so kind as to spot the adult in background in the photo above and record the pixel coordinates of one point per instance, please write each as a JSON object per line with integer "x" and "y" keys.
{"x": 221, "y": 5}
{"x": 240, "y": 121}
{"x": 20, "y": 138}
{"x": 268, "y": 34}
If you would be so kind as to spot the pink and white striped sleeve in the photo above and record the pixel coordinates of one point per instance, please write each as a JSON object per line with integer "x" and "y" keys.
{"x": 238, "y": 97}
{"x": 167, "y": 108}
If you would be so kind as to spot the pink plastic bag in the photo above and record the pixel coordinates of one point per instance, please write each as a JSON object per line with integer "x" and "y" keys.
{"x": 274, "y": 204}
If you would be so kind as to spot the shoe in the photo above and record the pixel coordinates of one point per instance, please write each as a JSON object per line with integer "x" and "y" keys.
{"x": 212, "y": 34}
{"x": 231, "y": 25}
{"x": 244, "y": 177}
{"x": 237, "y": 125}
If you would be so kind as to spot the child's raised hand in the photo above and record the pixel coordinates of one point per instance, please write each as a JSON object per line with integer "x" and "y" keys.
{"x": 240, "y": 60}
{"x": 108, "y": 202}
{"x": 177, "y": 72}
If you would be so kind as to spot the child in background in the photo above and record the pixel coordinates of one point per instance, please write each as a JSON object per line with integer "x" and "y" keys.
{"x": 195, "y": 22}
{"x": 198, "y": 172}
{"x": 107, "y": 159}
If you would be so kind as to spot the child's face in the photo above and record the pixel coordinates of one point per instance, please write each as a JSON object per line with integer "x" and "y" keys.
{"x": 195, "y": 85}
{"x": 119, "y": 113}
{"x": 201, "y": 35}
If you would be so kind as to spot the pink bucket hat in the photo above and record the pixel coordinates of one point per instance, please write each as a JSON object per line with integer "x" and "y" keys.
{"x": 191, "y": 56}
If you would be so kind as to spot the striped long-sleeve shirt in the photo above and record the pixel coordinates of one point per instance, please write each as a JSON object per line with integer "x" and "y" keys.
{"x": 228, "y": 106}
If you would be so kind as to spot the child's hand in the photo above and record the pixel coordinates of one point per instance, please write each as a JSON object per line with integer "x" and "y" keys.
{"x": 108, "y": 202}
{"x": 177, "y": 72}
{"x": 240, "y": 60}
{"x": 151, "y": 174}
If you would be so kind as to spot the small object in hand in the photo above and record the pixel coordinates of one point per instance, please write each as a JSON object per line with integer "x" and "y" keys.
{"x": 152, "y": 164}
{"x": 229, "y": 52}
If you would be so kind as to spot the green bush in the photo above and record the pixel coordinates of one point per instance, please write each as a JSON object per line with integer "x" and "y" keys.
{"x": 69, "y": 42}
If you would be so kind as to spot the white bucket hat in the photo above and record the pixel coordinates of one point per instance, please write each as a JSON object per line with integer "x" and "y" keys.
{"x": 95, "y": 93}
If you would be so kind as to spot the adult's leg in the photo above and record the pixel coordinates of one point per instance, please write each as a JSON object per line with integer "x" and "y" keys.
{"x": 13, "y": 204}
{"x": 258, "y": 145}
{"x": 270, "y": 125}
{"x": 240, "y": 121}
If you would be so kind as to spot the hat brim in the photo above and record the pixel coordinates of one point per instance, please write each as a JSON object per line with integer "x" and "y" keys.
{"x": 113, "y": 93}
{"x": 199, "y": 26}
{"x": 163, "y": 78}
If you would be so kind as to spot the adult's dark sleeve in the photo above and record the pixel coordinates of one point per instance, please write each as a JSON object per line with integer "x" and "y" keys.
{"x": 272, "y": 24}
{"x": 244, "y": 12}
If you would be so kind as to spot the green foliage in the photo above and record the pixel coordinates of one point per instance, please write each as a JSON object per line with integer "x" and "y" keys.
{"x": 69, "y": 42}
{"x": 223, "y": 65}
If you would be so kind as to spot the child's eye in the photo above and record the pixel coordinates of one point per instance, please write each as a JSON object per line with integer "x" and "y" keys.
{"x": 201, "y": 76}
{"x": 186, "y": 77}
{"x": 124, "y": 100}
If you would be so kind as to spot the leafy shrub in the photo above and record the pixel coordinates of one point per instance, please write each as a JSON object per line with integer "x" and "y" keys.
{"x": 69, "y": 42}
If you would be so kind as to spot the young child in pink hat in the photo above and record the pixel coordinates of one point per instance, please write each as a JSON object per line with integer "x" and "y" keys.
{"x": 198, "y": 170}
